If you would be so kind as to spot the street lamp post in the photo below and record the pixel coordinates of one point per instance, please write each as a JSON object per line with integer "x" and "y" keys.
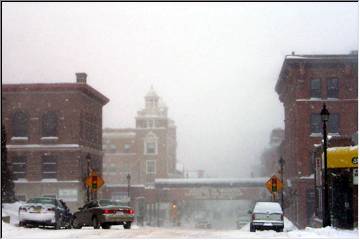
{"x": 281, "y": 162}
{"x": 88, "y": 158}
{"x": 326, "y": 211}
{"x": 128, "y": 177}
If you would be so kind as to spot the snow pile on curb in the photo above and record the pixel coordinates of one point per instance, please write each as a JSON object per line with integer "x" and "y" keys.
{"x": 327, "y": 232}
{"x": 12, "y": 210}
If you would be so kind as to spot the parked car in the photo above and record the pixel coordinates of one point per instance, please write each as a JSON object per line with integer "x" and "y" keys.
{"x": 44, "y": 211}
{"x": 202, "y": 223}
{"x": 104, "y": 213}
{"x": 267, "y": 215}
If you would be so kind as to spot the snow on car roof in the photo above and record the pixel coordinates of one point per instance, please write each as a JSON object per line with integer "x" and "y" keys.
{"x": 271, "y": 207}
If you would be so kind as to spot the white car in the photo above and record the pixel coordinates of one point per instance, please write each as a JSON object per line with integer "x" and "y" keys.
{"x": 44, "y": 211}
{"x": 267, "y": 216}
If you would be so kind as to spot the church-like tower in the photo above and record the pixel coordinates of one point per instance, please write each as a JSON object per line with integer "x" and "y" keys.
{"x": 155, "y": 139}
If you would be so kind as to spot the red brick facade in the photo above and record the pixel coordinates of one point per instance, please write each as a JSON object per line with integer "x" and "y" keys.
{"x": 305, "y": 83}
{"x": 66, "y": 139}
{"x": 126, "y": 150}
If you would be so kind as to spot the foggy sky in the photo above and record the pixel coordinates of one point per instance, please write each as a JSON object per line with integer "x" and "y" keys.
{"x": 215, "y": 65}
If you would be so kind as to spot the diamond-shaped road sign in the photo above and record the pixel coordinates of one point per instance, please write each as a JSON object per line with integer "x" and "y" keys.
{"x": 274, "y": 184}
{"x": 94, "y": 182}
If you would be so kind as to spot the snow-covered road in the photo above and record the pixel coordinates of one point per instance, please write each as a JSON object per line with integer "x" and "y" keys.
{"x": 12, "y": 231}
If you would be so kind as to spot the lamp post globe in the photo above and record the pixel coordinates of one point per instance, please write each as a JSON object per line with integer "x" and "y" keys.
{"x": 324, "y": 114}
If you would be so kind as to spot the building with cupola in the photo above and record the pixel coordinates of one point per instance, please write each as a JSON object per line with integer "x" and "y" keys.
{"x": 135, "y": 157}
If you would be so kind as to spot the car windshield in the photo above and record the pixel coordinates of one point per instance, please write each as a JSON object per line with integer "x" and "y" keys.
{"x": 42, "y": 201}
{"x": 104, "y": 203}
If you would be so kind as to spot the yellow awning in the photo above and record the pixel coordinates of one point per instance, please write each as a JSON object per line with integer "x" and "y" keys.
{"x": 342, "y": 157}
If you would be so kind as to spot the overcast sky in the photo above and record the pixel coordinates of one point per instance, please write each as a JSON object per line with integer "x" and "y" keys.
{"x": 215, "y": 65}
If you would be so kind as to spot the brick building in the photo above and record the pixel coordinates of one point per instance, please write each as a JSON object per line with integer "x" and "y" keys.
{"x": 304, "y": 84}
{"x": 271, "y": 155}
{"x": 51, "y": 128}
{"x": 145, "y": 152}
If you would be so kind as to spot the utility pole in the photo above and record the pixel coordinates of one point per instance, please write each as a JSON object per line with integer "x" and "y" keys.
{"x": 282, "y": 162}
{"x": 87, "y": 175}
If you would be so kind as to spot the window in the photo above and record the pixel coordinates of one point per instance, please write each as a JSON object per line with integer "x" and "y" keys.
{"x": 150, "y": 123}
{"x": 19, "y": 167}
{"x": 49, "y": 124}
{"x": 333, "y": 88}
{"x": 49, "y": 166}
{"x": 150, "y": 167}
{"x": 20, "y": 124}
{"x": 126, "y": 148}
{"x": 315, "y": 88}
{"x": 150, "y": 144}
{"x": 315, "y": 123}
{"x": 150, "y": 148}
{"x": 333, "y": 123}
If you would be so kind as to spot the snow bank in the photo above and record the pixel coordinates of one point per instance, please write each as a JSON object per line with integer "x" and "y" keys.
{"x": 12, "y": 210}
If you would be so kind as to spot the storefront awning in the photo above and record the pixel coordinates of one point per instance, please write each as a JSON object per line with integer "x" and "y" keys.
{"x": 342, "y": 157}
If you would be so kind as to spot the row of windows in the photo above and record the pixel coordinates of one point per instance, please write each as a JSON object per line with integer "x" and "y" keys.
{"x": 316, "y": 124}
{"x": 150, "y": 147}
{"x": 332, "y": 88}
{"x": 48, "y": 167}
{"x": 111, "y": 148}
{"x": 20, "y": 124}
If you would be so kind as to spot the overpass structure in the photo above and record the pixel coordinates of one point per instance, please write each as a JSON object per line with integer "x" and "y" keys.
{"x": 209, "y": 182}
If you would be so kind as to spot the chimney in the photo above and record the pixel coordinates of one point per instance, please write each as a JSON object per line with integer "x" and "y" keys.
{"x": 81, "y": 77}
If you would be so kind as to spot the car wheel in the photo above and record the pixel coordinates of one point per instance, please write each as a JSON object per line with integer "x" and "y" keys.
{"x": 75, "y": 224}
{"x": 58, "y": 223}
{"x": 280, "y": 229}
{"x": 252, "y": 228}
{"x": 106, "y": 226}
{"x": 96, "y": 223}
{"x": 127, "y": 225}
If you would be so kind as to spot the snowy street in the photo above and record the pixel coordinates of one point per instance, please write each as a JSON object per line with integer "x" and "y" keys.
{"x": 12, "y": 231}
{"x": 188, "y": 231}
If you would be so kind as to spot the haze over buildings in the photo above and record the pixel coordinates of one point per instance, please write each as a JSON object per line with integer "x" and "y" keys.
{"x": 214, "y": 64}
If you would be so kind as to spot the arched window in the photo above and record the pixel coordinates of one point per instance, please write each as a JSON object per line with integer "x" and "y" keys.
{"x": 20, "y": 122}
{"x": 49, "y": 124}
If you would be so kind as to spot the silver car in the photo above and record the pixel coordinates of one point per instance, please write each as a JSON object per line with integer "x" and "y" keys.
{"x": 267, "y": 216}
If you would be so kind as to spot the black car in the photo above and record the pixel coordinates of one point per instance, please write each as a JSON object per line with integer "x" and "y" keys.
{"x": 104, "y": 213}
{"x": 44, "y": 211}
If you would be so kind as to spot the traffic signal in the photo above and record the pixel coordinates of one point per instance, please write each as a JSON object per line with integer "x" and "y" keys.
{"x": 273, "y": 185}
{"x": 94, "y": 182}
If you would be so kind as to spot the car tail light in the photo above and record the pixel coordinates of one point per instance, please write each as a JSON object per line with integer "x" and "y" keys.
{"x": 253, "y": 216}
{"x": 108, "y": 211}
{"x": 129, "y": 211}
{"x": 51, "y": 209}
